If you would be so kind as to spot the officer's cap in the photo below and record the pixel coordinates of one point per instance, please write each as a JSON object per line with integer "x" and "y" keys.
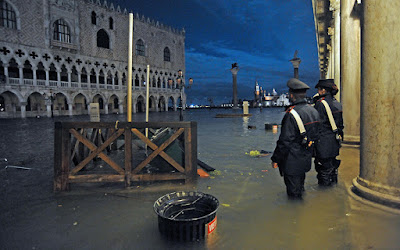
{"x": 326, "y": 83}
{"x": 329, "y": 85}
{"x": 296, "y": 84}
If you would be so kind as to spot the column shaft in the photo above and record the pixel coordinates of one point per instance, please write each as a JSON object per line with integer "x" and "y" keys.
{"x": 380, "y": 102}
{"x": 350, "y": 70}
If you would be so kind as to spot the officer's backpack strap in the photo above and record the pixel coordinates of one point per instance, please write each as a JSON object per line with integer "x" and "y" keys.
{"x": 299, "y": 121}
{"x": 330, "y": 116}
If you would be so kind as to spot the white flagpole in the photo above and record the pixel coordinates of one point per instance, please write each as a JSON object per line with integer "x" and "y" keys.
{"x": 129, "y": 97}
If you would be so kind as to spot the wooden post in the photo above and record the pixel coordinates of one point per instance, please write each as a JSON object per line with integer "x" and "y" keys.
{"x": 62, "y": 155}
{"x": 191, "y": 152}
{"x": 128, "y": 155}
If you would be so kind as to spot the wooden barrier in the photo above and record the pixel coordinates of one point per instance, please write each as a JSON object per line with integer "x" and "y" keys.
{"x": 89, "y": 152}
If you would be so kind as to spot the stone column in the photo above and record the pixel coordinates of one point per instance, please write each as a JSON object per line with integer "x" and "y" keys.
{"x": 58, "y": 77}
{"x": 335, "y": 7}
{"x": 133, "y": 106}
{"x": 69, "y": 77}
{"x": 88, "y": 108}
{"x": 234, "y": 71}
{"x": 156, "y": 100}
{"x": 350, "y": 70}
{"x": 97, "y": 80}
{"x": 48, "y": 109}
{"x": 176, "y": 104}
{"x": 23, "y": 109}
{"x": 121, "y": 107}
{"x": 296, "y": 63}
{"x": 79, "y": 79}
{"x": 6, "y": 72}
{"x": 106, "y": 108}
{"x": 70, "y": 109}
{"x": 34, "y": 75}
{"x": 47, "y": 76}
{"x": 21, "y": 74}
{"x": 113, "y": 82}
{"x": 379, "y": 178}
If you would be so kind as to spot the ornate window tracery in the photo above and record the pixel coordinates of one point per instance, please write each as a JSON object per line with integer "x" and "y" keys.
{"x": 61, "y": 31}
{"x": 167, "y": 54}
{"x": 8, "y": 17}
{"x": 140, "y": 49}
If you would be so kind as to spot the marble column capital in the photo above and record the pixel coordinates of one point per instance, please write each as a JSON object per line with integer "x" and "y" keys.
{"x": 235, "y": 71}
{"x": 334, "y": 5}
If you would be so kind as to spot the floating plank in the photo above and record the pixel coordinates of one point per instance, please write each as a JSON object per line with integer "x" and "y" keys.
{"x": 205, "y": 166}
{"x": 231, "y": 115}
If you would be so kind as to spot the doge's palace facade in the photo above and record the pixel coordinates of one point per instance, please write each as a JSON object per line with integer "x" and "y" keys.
{"x": 58, "y": 56}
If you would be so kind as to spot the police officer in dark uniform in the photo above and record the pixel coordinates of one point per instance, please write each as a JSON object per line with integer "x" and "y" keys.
{"x": 294, "y": 149}
{"x": 330, "y": 130}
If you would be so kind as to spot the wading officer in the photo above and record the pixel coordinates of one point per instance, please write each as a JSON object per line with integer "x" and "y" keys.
{"x": 299, "y": 131}
{"x": 331, "y": 132}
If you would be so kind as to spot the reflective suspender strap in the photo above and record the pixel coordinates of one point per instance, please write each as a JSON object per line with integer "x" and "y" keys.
{"x": 330, "y": 116}
{"x": 299, "y": 121}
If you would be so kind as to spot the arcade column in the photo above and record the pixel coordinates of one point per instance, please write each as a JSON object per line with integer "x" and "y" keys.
{"x": 350, "y": 70}
{"x": 23, "y": 109}
{"x": 379, "y": 178}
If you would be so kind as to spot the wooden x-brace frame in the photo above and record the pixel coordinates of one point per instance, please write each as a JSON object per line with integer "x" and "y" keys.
{"x": 158, "y": 150}
{"x": 97, "y": 151}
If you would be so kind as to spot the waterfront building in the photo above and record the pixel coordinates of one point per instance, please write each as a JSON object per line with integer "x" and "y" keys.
{"x": 58, "y": 56}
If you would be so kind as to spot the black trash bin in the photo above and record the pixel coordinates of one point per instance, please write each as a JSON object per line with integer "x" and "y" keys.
{"x": 186, "y": 216}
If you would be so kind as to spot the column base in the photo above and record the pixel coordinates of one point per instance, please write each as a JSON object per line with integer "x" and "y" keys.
{"x": 363, "y": 189}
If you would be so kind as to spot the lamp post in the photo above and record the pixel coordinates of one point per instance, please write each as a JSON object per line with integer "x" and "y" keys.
{"x": 181, "y": 86}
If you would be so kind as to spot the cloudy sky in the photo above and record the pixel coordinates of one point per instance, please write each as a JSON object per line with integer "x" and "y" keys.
{"x": 260, "y": 35}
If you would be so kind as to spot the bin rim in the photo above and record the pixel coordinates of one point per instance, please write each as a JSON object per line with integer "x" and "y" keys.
{"x": 191, "y": 219}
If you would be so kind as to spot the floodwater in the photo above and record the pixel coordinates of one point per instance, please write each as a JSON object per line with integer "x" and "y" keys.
{"x": 254, "y": 211}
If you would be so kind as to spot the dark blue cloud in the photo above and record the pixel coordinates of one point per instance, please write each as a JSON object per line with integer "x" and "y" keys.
{"x": 260, "y": 35}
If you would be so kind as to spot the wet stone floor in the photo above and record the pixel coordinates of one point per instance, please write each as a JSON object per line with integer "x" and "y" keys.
{"x": 254, "y": 212}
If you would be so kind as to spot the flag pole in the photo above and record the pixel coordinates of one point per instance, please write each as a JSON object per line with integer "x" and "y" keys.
{"x": 129, "y": 97}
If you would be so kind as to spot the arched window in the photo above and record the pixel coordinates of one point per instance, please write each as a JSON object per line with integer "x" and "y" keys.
{"x": 84, "y": 77}
{"x": 103, "y": 41}
{"x": 111, "y": 23}
{"x": 40, "y": 72}
{"x": 7, "y": 16}
{"x": 61, "y": 31}
{"x": 94, "y": 17}
{"x": 13, "y": 70}
{"x": 167, "y": 55}
{"x": 140, "y": 48}
{"x": 27, "y": 70}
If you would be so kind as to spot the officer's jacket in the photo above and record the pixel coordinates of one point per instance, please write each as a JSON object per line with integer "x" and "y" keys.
{"x": 328, "y": 145}
{"x": 293, "y": 156}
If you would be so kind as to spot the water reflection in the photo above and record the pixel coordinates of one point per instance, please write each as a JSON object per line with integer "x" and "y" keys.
{"x": 254, "y": 212}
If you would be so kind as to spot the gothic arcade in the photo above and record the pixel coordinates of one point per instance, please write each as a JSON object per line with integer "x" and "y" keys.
{"x": 75, "y": 52}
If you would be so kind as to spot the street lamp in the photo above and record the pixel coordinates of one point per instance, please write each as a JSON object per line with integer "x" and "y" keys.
{"x": 181, "y": 86}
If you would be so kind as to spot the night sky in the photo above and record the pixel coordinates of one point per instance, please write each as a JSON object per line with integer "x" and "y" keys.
{"x": 260, "y": 35}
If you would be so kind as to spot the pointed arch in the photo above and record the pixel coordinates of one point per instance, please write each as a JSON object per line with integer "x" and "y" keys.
{"x": 103, "y": 40}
